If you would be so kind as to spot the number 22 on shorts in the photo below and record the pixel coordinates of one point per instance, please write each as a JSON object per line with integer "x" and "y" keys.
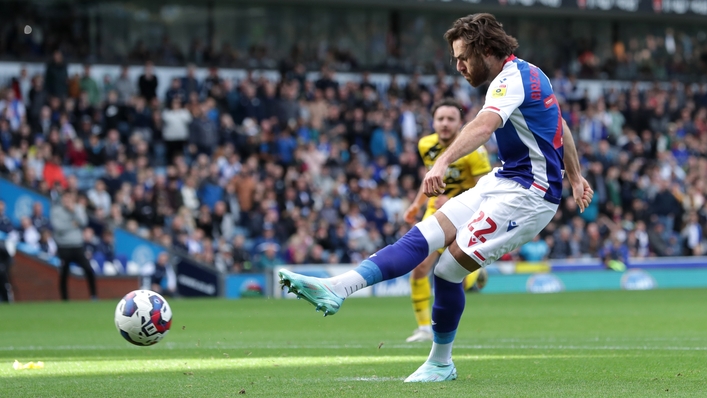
{"x": 477, "y": 235}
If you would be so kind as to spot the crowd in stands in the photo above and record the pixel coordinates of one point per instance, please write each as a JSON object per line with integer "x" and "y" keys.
{"x": 662, "y": 50}
{"x": 670, "y": 55}
{"x": 244, "y": 175}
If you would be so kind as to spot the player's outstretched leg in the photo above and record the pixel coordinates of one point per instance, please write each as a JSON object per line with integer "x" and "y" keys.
{"x": 446, "y": 312}
{"x": 327, "y": 294}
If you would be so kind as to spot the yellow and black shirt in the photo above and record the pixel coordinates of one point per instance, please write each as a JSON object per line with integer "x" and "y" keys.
{"x": 461, "y": 174}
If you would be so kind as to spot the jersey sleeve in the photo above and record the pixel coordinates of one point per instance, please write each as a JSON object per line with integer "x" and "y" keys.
{"x": 478, "y": 162}
{"x": 423, "y": 146}
{"x": 504, "y": 96}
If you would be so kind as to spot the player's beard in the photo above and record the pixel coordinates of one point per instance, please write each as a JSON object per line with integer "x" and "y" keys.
{"x": 480, "y": 73}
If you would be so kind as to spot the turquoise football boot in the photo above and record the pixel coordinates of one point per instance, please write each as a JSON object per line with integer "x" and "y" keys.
{"x": 317, "y": 291}
{"x": 432, "y": 371}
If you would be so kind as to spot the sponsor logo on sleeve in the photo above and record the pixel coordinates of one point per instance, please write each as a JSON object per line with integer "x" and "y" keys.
{"x": 499, "y": 91}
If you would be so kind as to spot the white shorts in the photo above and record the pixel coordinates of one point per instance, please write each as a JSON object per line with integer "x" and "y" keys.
{"x": 497, "y": 216}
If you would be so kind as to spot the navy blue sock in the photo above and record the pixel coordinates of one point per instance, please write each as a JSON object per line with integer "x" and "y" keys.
{"x": 395, "y": 260}
{"x": 447, "y": 309}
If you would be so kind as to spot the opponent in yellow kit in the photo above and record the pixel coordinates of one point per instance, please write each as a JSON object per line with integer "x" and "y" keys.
{"x": 461, "y": 175}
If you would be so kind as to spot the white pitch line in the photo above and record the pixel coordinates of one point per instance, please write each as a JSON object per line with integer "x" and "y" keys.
{"x": 349, "y": 379}
{"x": 210, "y": 346}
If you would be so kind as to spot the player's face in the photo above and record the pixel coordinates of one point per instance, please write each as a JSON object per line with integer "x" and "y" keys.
{"x": 446, "y": 122}
{"x": 474, "y": 68}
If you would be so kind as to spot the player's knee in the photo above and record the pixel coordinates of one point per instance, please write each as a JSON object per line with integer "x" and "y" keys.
{"x": 450, "y": 231}
{"x": 433, "y": 232}
{"x": 455, "y": 265}
{"x": 462, "y": 258}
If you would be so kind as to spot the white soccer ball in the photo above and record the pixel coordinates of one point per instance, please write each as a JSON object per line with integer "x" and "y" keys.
{"x": 143, "y": 317}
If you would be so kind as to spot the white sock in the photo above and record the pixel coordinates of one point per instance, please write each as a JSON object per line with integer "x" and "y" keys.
{"x": 441, "y": 353}
{"x": 348, "y": 283}
{"x": 426, "y": 328}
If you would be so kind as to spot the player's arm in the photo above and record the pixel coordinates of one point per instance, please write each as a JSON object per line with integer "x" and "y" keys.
{"x": 581, "y": 191}
{"x": 410, "y": 215}
{"x": 571, "y": 158}
{"x": 472, "y": 136}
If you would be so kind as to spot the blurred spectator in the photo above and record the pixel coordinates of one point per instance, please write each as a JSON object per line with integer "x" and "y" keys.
{"x": 38, "y": 219}
{"x": 692, "y": 235}
{"x": 5, "y": 222}
{"x": 563, "y": 244}
{"x": 175, "y": 91}
{"x": 189, "y": 83}
{"x": 39, "y": 114}
{"x": 76, "y": 153}
{"x": 147, "y": 83}
{"x": 268, "y": 258}
{"x": 115, "y": 115}
{"x": 203, "y": 133}
{"x": 614, "y": 254}
{"x": 240, "y": 256}
{"x": 384, "y": 140}
{"x": 47, "y": 246}
{"x": 53, "y": 173}
{"x": 13, "y": 109}
{"x": 90, "y": 243}
{"x": 99, "y": 197}
{"x": 223, "y": 261}
{"x": 56, "y": 77}
{"x": 124, "y": 86}
{"x": 175, "y": 131}
{"x": 162, "y": 279}
{"x": 67, "y": 219}
{"x": 535, "y": 250}
{"x": 29, "y": 234}
{"x": 106, "y": 246}
{"x": 7, "y": 252}
{"x": 89, "y": 86}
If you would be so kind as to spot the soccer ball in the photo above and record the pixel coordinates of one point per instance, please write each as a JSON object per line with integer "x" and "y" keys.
{"x": 143, "y": 317}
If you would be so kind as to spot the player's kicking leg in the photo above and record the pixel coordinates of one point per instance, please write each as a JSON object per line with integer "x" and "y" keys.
{"x": 328, "y": 294}
{"x": 421, "y": 292}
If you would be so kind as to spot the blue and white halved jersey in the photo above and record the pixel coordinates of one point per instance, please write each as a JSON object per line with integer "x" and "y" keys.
{"x": 530, "y": 146}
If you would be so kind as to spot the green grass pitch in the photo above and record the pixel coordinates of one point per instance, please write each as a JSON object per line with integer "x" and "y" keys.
{"x": 598, "y": 344}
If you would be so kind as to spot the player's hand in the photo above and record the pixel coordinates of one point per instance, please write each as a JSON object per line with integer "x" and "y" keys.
{"x": 410, "y": 215}
{"x": 582, "y": 193}
{"x": 433, "y": 184}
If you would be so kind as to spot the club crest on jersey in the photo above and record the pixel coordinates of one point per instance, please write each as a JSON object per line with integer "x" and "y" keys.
{"x": 499, "y": 91}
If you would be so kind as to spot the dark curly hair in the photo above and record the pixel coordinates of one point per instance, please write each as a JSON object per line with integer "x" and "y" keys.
{"x": 482, "y": 35}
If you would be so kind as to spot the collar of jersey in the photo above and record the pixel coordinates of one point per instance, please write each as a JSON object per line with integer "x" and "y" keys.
{"x": 509, "y": 59}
